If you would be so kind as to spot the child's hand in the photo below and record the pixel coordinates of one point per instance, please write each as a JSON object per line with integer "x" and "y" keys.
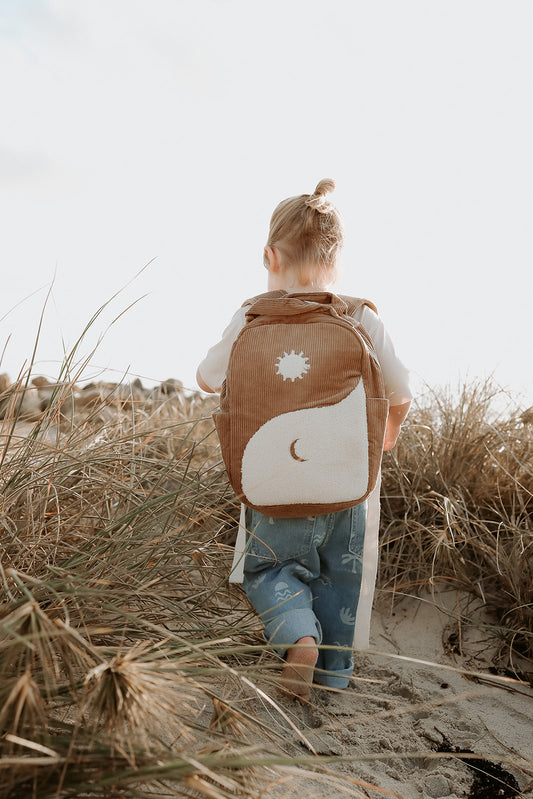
{"x": 397, "y": 414}
{"x": 391, "y": 437}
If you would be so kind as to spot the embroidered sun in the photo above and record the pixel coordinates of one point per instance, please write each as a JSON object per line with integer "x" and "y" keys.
{"x": 292, "y": 365}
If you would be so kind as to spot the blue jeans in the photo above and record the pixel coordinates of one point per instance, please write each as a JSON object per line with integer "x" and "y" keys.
{"x": 303, "y": 577}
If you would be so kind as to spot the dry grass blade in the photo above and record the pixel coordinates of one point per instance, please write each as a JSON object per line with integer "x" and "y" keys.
{"x": 134, "y": 695}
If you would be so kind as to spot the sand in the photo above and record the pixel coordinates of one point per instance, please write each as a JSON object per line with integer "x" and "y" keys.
{"x": 411, "y": 698}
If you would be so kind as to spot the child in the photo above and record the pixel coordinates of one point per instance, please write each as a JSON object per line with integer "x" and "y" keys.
{"x": 304, "y": 575}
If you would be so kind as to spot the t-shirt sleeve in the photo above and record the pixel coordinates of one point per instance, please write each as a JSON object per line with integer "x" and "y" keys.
{"x": 213, "y": 367}
{"x": 395, "y": 374}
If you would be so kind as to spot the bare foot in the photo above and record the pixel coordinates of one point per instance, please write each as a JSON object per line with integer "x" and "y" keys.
{"x": 297, "y": 674}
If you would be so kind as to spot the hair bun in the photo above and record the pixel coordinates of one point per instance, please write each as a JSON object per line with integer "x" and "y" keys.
{"x": 318, "y": 201}
{"x": 323, "y": 187}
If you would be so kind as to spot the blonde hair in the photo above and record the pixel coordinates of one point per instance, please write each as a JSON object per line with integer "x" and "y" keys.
{"x": 307, "y": 230}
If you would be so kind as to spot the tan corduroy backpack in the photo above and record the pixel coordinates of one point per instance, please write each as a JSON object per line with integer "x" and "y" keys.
{"x": 302, "y": 409}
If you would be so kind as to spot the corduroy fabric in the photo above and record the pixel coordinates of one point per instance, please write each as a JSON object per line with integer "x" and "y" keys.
{"x": 297, "y": 353}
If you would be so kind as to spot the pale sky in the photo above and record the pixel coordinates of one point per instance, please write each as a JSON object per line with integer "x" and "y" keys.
{"x": 169, "y": 130}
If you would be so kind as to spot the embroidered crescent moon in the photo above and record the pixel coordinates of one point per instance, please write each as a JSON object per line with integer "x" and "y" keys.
{"x": 293, "y": 451}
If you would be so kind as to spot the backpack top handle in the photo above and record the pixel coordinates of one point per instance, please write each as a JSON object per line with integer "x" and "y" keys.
{"x": 294, "y": 304}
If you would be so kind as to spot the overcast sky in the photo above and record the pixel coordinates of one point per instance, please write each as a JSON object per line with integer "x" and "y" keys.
{"x": 167, "y": 131}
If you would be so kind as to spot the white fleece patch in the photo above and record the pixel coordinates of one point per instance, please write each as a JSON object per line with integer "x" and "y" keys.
{"x": 317, "y": 455}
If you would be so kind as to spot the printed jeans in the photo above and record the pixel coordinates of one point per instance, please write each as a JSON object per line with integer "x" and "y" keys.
{"x": 303, "y": 577}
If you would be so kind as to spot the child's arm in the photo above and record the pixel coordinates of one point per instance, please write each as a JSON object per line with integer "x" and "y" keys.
{"x": 212, "y": 370}
{"x": 397, "y": 414}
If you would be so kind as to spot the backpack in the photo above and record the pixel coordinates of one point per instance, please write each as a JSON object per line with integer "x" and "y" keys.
{"x": 302, "y": 410}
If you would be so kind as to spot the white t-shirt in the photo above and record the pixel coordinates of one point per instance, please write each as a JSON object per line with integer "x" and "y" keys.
{"x": 395, "y": 375}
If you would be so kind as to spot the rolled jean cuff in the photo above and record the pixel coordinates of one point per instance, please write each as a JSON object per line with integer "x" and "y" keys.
{"x": 283, "y": 631}
{"x": 334, "y": 679}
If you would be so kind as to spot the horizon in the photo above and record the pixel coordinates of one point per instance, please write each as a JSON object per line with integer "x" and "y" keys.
{"x": 168, "y": 138}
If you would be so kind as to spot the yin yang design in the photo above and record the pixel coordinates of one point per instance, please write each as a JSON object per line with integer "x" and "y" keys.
{"x": 314, "y": 455}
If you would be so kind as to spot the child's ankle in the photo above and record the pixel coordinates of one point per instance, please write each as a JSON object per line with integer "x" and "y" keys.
{"x": 297, "y": 675}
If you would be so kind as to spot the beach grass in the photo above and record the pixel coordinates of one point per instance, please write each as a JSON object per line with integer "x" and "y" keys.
{"x": 130, "y": 667}
{"x": 457, "y": 506}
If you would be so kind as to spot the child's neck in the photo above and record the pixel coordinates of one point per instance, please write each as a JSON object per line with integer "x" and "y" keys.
{"x": 294, "y": 287}
{"x": 287, "y": 280}
{"x": 297, "y": 289}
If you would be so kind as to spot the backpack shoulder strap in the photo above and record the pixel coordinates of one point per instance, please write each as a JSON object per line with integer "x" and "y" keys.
{"x": 354, "y": 303}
